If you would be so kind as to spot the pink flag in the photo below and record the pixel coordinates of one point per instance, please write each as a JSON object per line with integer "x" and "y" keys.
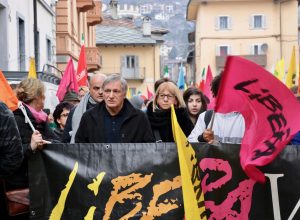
{"x": 68, "y": 81}
{"x": 270, "y": 110}
{"x": 81, "y": 74}
{"x": 207, "y": 89}
{"x": 149, "y": 94}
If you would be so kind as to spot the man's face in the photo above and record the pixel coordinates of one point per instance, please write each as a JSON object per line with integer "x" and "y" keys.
{"x": 114, "y": 96}
{"x": 96, "y": 90}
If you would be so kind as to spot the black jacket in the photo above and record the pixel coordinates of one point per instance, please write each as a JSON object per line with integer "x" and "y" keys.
{"x": 135, "y": 127}
{"x": 11, "y": 154}
{"x": 160, "y": 121}
{"x": 20, "y": 178}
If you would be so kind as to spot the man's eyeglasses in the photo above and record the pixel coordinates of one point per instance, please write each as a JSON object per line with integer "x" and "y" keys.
{"x": 64, "y": 115}
{"x": 168, "y": 96}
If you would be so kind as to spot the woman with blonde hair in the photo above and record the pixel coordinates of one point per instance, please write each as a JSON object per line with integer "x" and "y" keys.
{"x": 31, "y": 92}
{"x": 159, "y": 112}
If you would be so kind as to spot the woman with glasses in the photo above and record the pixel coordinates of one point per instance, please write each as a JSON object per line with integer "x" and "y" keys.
{"x": 60, "y": 116}
{"x": 195, "y": 102}
{"x": 159, "y": 112}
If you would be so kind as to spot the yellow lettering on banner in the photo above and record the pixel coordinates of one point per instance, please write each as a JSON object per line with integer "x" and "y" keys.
{"x": 90, "y": 214}
{"x": 59, "y": 208}
{"x": 96, "y": 183}
{"x": 190, "y": 174}
{"x": 130, "y": 184}
{"x": 156, "y": 210}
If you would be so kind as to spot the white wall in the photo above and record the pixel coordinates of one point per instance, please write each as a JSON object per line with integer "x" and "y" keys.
{"x": 24, "y": 10}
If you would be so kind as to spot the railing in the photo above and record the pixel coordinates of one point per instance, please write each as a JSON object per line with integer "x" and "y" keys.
{"x": 126, "y": 73}
{"x": 258, "y": 59}
{"x": 85, "y": 5}
{"x": 93, "y": 58}
{"x": 94, "y": 15}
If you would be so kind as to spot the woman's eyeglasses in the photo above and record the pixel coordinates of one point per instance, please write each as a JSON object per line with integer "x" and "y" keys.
{"x": 163, "y": 96}
{"x": 64, "y": 115}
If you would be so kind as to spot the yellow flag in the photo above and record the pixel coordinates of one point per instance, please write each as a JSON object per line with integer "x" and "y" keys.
{"x": 279, "y": 70}
{"x": 128, "y": 94}
{"x": 291, "y": 76}
{"x": 193, "y": 197}
{"x": 32, "y": 72}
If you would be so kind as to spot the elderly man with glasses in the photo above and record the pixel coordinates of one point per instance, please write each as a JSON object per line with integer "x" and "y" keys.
{"x": 114, "y": 120}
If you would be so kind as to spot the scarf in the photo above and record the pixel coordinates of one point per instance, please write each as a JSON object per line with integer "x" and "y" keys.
{"x": 80, "y": 109}
{"x": 39, "y": 116}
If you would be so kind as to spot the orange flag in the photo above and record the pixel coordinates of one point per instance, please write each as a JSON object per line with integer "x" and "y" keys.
{"x": 7, "y": 95}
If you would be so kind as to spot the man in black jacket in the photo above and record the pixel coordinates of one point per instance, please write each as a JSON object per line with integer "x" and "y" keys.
{"x": 11, "y": 154}
{"x": 114, "y": 120}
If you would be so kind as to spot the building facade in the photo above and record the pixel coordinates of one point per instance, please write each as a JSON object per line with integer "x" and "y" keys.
{"x": 263, "y": 31}
{"x": 75, "y": 26}
{"x": 17, "y": 34}
{"x": 132, "y": 52}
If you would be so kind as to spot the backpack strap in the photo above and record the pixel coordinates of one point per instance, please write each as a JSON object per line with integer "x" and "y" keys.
{"x": 208, "y": 116}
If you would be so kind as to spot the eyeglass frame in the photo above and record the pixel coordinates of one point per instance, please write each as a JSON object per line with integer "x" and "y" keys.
{"x": 169, "y": 96}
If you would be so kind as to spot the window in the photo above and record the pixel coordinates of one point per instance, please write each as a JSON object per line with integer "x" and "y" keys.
{"x": 21, "y": 44}
{"x": 130, "y": 62}
{"x": 223, "y": 22}
{"x": 256, "y": 49}
{"x": 49, "y": 52}
{"x": 257, "y": 22}
{"x": 223, "y": 50}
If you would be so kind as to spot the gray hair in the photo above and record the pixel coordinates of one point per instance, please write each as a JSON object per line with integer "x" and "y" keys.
{"x": 114, "y": 78}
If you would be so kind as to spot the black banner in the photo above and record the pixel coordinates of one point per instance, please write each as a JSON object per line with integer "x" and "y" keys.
{"x": 141, "y": 181}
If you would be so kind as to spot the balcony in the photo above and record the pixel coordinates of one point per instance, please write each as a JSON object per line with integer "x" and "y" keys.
{"x": 94, "y": 15}
{"x": 258, "y": 59}
{"x": 93, "y": 60}
{"x": 85, "y": 5}
{"x": 133, "y": 73}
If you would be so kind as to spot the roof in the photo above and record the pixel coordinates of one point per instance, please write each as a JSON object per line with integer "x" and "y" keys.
{"x": 107, "y": 35}
{"x": 126, "y": 31}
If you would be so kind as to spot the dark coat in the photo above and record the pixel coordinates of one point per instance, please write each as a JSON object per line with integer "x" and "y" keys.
{"x": 135, "y": 127}
{"x": 160, "y": 121}
{"x": 11, "y": 154}
{"x": 20, "y": 178}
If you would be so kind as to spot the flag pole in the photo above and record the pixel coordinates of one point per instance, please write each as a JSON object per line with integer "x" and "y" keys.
{"x": 212, "y": 120}
{"x": 27, "y": 120}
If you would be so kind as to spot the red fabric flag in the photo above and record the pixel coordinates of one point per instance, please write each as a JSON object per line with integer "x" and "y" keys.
{"x": 202, "y": 85}
{"x": 81, "y": 74}
{"x": 149, "y": 94}
{"x": 270, "y": 110}
{"x": 68, "y": 81}
{"x": 7, "y": 95}
{"x": 207, "y": 89}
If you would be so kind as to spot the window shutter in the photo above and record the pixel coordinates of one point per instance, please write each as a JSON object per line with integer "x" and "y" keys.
{"x": 137, "y": 65}
{"x": 252, "y": 49}
{"x": 217, "y": 22}
{"x": 229, "y": 50}
{"x": 264, "y": 22}
{"x": 251, "y": 22}
{"x": 218, "y": 50}
{"x": 122, "y": 64}
{"x": 229, "y": 22}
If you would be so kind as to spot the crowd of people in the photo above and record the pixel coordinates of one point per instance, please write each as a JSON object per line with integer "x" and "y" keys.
{"x": 101, "y": 113}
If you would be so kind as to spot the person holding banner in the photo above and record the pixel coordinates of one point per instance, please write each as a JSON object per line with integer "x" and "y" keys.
{"x": 159, "y": 112}
{"x": 31, "y": 92}
{"x": 217, "y": 127}
{"x": 114, "y": 120}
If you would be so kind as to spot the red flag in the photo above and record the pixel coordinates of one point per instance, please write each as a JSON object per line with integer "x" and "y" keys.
{"x": 207, "y": 89}
{"x": 149, "y": 94}
{"x": 270, "y": 110}
{"x": 81, "y": 74}
{"x": 68, "y": 81}
{"x": 7, "y": 95}
{"x": 202, "y": 85}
